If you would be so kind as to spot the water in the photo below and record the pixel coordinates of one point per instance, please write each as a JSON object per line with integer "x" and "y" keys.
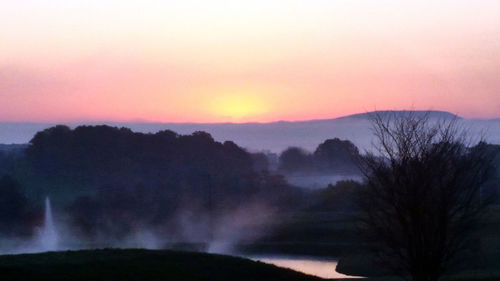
{"x": 319, "y": 268}
{"x": 49, "y": 238}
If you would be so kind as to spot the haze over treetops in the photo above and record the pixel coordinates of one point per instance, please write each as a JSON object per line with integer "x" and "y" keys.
{"x": 240, "y": 61}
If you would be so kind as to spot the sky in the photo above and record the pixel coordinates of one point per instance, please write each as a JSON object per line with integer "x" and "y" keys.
{"x": 245, "y": 61}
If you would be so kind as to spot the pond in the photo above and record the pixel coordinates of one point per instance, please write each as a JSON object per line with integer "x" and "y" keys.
{"x": 311, "y": 266}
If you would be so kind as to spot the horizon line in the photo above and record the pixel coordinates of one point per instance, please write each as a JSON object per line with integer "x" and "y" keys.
{"x": 142, "y": 121}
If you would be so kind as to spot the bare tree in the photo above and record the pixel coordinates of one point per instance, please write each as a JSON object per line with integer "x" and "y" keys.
{"x": 423, "y": 195}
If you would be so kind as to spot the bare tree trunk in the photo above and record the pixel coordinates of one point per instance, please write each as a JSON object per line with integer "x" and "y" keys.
{"x": 422, "y": 199}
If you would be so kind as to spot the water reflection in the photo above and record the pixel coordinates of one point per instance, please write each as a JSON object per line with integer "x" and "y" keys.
{"x": 319, "y": 268}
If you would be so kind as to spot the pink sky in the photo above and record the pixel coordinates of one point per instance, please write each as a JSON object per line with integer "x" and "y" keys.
{"x": 238, "y": 61}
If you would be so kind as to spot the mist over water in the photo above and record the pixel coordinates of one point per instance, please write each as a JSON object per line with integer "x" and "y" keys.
{"x": 194, "y": 231}
{"x": 48, "y": 236}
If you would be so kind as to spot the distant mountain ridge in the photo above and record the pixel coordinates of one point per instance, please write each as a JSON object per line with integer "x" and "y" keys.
{"x": 437, "y": 114}
{"x": 272, "y": 136}
{"x": 397, "y": 113}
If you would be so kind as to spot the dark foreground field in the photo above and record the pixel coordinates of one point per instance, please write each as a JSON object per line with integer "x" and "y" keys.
{"x": 153, "y": 265}
{"x": 140, "y": 265}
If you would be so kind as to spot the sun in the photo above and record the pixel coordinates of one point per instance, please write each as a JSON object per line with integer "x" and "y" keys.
{"x": 238, "y": 107}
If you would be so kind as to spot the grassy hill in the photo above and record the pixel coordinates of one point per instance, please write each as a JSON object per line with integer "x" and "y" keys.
{"x": 140, "y": 265}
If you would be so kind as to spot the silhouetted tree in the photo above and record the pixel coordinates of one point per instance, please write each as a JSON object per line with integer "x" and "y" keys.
{"x": 340, "y": 196}
{"x": 492, "y": 187}
{"x": 295, "y": 159}
{"x": 260, "y": 162}
{"x": 335, "y": 155}
{"x": 423, "y": 195}
{"x": 14, "y": 208}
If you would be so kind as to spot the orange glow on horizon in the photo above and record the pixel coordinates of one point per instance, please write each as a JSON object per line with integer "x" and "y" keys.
{"x": 237, "y": 107}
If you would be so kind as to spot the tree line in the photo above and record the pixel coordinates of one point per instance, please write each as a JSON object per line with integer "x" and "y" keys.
{"x": 112, "y": 180}
{"x": 331, "y": 156}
